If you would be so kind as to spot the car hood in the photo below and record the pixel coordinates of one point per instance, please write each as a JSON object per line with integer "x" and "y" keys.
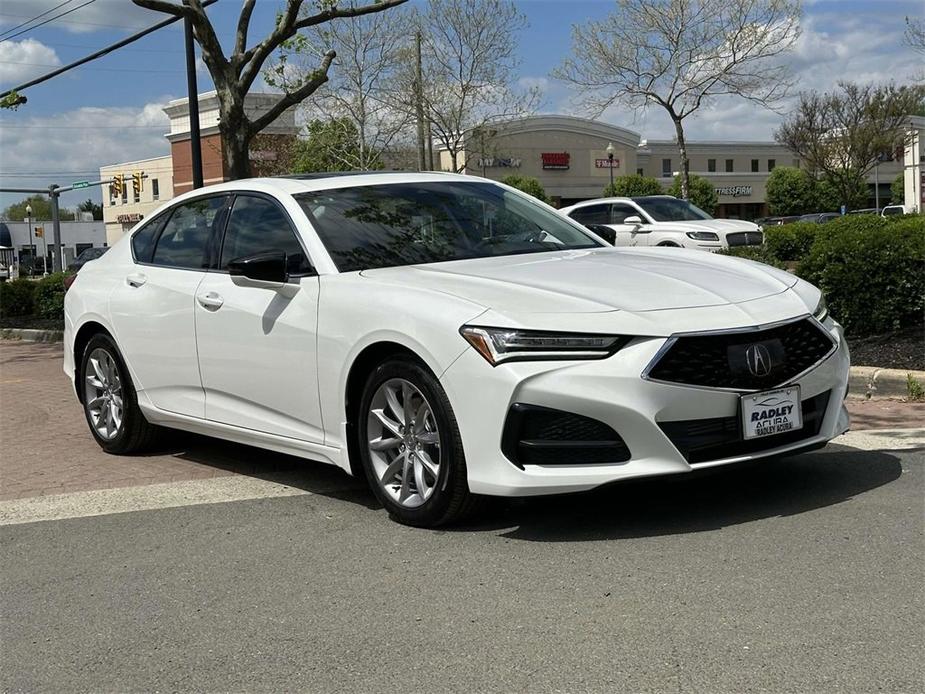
{"x": 606, "y": 279}
{"x": 720, "y": 226}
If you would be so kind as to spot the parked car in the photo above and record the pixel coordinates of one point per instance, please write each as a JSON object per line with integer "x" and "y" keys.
{"x": 865, "y": 210}
{"x": 891, "y": 210}
{"x": 776, "y": 221}
{"x": 819, "y": 217}
{"x": 663, "y": 220}
{"x": 85, "y": 256}
{"x": 446, "y": 337}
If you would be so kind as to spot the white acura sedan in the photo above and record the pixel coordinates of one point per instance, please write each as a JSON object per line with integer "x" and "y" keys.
{"x": 447, "y": 337}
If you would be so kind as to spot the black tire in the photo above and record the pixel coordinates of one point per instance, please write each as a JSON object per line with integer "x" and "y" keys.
{"x": 668, "y": 244}
{"x": 135, "y": 434}
{"x": 451, "y": 500}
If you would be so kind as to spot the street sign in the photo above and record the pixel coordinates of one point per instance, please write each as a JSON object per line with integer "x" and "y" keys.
{"x": 80, "y": 184}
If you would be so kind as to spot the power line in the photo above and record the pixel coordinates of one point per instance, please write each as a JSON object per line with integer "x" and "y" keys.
{"x": 81, "y": 127}
{"x": 29, "y": 21}
{"x": 50, "y": 19}
{"x": 74, "y": 21}
{"x": 103, "y": 69}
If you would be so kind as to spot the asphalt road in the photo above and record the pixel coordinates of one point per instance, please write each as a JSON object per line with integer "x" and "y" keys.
{"x": 802, "y": 575}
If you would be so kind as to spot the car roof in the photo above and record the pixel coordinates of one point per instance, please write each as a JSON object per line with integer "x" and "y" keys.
{"x": 598, "y": 201}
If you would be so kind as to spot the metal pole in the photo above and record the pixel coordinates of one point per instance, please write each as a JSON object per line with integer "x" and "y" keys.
{"x": 877, "y": 185}
{"x": 193, "y": 94}
{"x": 56, "y": 226}
{"x": 610, "y": 166}
{"x": 419, "y": 99}
{"x": 31, "y": 248}
{"x": 54, "y": 194}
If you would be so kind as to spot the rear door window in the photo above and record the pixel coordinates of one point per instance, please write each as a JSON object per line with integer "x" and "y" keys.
{"x": 592, "y": 214}
{"x": 186, "y": 239}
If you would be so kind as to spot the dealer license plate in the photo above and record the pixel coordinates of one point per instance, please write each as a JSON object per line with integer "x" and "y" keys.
{"x": 771, "y": 412}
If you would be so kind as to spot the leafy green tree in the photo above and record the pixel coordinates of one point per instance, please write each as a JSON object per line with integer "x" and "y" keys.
{"x": 330, "y": 145}
{"x": 89, "y": 206}
{"x": 528, "y": 184}
{"x": 832, "y": 194}
{"x": 898, "y": 190}
{"x": 791, "y": 191}
{"x": 41, "y": 210}
{"x": 633, "y": 186}
{"x": 702, "y": 192}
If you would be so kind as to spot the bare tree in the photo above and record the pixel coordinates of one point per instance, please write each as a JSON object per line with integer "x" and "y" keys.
{"x": 681, "y": 54}
{"x": 842, "y": 135}
{"x": 362, "y": 79}
{"x": 233, "y": 75}
{"x": 469, "y": 57}
{"x": 915, "y": 34}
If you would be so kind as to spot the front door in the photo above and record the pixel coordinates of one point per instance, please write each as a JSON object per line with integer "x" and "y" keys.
{"x": 257, "y": 340}
{"x": 628, "y": 234}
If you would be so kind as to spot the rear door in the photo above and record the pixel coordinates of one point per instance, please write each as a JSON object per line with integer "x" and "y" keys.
{"x": 257, "y": 341}
{"x": 152, "y": 307}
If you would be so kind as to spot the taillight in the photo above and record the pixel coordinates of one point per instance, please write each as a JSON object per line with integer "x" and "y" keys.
{"x": 69, "y": 280}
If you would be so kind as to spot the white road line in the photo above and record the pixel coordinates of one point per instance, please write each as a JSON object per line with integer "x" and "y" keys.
{"x": 145, "y": 498}
{"x": 883, "y": 439}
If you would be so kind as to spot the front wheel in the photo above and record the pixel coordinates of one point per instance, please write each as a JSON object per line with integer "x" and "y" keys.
{"x": 410, "y": 446}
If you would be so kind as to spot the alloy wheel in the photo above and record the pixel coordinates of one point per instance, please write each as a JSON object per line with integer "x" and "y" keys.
{"x": 404, "y": 442}
{"x": 103, "y": 394}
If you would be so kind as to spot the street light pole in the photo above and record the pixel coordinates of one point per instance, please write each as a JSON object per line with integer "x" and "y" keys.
{"x": 31, "y": 242}
{"x": 610, "y": 161}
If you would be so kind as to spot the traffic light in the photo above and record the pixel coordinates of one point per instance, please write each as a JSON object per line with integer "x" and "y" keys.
{"x": 117, "y": 186}
{"x": 39, "y": 232}
{"x": 137, "y": 182}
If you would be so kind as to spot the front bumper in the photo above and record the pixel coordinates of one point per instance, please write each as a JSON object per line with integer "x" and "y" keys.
{"x": 611, "y": 391}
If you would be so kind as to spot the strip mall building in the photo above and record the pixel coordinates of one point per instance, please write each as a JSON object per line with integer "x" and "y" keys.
{"x": 569, "y": 157}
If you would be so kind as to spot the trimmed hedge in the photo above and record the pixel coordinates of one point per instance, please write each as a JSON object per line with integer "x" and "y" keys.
{"x": 872, "y": 271}
{"x": 16, "y": 297}
{"x": 761, "y": 254}
{"x": 49, "y": 296}
{"x": 790, "y": 241}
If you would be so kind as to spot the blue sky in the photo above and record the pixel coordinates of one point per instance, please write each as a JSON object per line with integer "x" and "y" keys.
{"x": 110, "y": 110}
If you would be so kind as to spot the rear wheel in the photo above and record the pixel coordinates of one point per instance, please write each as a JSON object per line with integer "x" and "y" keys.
{"x": 410, "y": 446}
{"x": 110, "y": 403}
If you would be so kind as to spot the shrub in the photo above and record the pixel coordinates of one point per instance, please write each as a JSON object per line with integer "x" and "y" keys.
{"x": 871, "y": 270}
{"x": 702, "y": 192}
{"x": 49, "y": 296}
{"x": 761, "y": 254}
{"x": 898, "y": 190}
{"x": 790, "y": 241}
{"x": 16, "y": 297}
{"x": 527, "y": 184}
{"x": 790, "y": 191}
{"x": 633, "y": 186}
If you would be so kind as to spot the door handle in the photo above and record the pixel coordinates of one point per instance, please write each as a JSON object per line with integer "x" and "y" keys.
{"x": 210, "y": 300}
{"x": 136, "y": 280}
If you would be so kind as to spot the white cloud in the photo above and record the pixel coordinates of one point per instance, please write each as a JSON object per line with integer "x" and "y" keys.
{"x": 72, "y": 145}
{"x": 22, "y": 60}
{"x": 100, "y": 15}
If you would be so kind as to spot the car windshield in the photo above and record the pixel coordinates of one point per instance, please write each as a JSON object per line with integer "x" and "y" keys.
{"x": 411, "y": 223}
{"x": 671, "y": 210}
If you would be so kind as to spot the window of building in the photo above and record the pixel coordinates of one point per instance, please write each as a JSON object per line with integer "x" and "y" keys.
{"x": 711, "y": 165}
{"x": 639, "y": 172}
{"x": 771, "y": 164}
{"x": 136, "y": 196}
{"x": 124, "y": 193}
{"x": 184, "y": 243}
{"x": 257, "y": 225}
{"x": 666, "y": 167}
{"x": 754, "y": 165}
{"x": 155, "y": 189}
{"x": 81, "y": 247}
{"x": 729, "y": 167}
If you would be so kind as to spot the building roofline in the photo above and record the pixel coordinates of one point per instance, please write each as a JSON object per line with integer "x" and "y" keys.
{"x": 138, "y": 161}
{"x": 584, "y": 126}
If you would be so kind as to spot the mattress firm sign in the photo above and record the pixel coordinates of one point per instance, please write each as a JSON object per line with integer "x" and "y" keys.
{"x": 734, "y": 191}
{"x": 555, "y": 160}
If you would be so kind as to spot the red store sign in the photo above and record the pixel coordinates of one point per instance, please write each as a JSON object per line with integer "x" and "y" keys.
{"x": 555, "y": 160}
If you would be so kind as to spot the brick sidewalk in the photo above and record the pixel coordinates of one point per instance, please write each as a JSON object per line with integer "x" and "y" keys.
{"x": 45, "y": 447}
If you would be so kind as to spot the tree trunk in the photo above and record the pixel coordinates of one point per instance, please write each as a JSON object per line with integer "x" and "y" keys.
{"x": 685, "y": 169}
{"x": 236, "y": 139}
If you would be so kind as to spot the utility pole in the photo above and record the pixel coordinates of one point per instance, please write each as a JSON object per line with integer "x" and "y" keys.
{"x": 419, "y": 103}
{"x": 193, "y": 94}
{"x": 56, "y": 262}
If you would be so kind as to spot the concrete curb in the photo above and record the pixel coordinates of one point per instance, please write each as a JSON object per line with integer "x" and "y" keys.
{"x": 27, "y": 335}
{"x": 873, "y": 383}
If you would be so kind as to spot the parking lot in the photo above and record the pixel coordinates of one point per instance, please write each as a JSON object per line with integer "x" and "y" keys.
{"x": 212, "y": 566}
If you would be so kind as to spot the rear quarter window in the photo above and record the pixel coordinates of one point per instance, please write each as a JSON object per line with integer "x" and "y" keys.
{"x": 144, "y": 239}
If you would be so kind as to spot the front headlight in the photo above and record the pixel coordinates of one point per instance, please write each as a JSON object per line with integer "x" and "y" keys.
{"x": 822, "y": 310}
{"x": 702, "y": 236}
{"x": 499, "y": 345}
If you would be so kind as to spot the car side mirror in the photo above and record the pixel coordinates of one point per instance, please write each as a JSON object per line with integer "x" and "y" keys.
{"x": 633, "y": 219}
{"x": 605, "y": 232}
{"x": 269, "y": 266}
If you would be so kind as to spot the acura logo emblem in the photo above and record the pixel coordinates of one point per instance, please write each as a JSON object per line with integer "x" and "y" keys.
{"x": 758, "y": 359}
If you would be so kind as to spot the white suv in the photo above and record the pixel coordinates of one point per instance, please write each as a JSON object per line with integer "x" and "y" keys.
{"x": 662, "y": 220}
